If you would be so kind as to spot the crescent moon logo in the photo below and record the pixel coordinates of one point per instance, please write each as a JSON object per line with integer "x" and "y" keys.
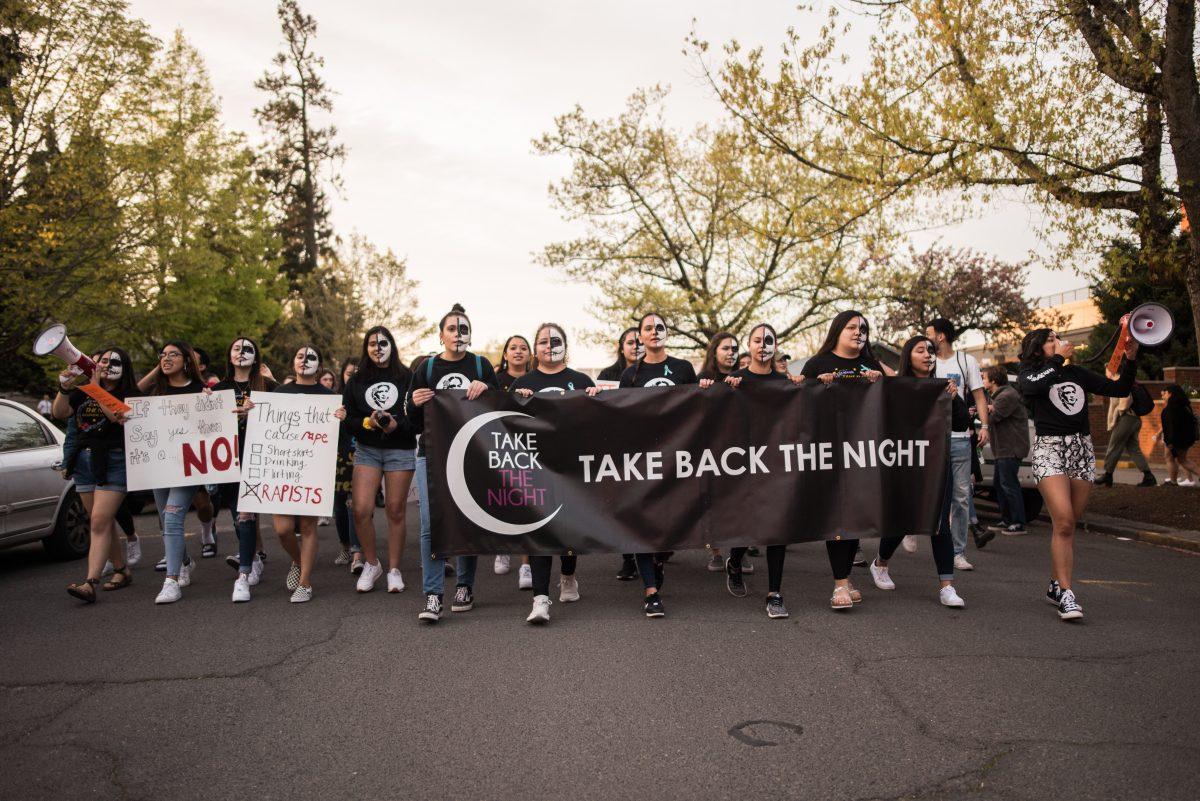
{"x": 456, "y": 479}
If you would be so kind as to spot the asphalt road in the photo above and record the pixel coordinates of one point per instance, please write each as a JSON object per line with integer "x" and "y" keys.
{"x": 349, "y": 697}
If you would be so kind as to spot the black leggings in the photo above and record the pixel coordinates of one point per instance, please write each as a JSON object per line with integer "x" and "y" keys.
{"x": 124, "y": 517}
{"x": 841, "y": 557}
{"x": 775, "y": 556}
{"x": 646, "y": 563}
{"x": 541, "y": 565}
{"x": 942, "y": 542}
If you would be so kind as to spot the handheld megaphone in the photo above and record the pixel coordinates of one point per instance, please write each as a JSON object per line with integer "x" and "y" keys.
{"x": 54, "y": 341}
{"x": 1151, "y": 324}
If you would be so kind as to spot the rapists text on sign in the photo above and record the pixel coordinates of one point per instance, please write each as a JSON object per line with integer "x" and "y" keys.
{"x": 290, "y": 455}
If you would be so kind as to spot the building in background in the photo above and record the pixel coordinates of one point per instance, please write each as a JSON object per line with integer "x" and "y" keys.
{"x": 1075, "y": 306}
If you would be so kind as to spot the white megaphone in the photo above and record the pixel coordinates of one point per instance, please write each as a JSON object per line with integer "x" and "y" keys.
{"x": 54, "y": 341}
{"x": 1151, "y": 324}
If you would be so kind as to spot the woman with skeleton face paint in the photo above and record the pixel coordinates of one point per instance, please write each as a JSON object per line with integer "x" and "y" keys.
{"x": 98, "y": 467}
{"x": 655, "y": 369}
{"x": 384, "y": 453}
{"x": 763, "y": 344}
{"x": 306, "y": 366}
{"x": 514, "y": 361}
{"x": 244, "y": 375}
{"x": 455, "y": 368}
{"x": 551, "y": 377}
{"x": 845, "y": 355}
{"x": 629, "y": 350}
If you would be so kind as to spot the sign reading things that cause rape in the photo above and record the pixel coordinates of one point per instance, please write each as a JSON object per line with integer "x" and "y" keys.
{"x": 181, "y": 440}
{"x": 643, "y": 470}
{"x": 291, "y": 454}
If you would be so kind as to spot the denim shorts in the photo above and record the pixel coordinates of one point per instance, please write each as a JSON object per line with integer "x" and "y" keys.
{"x": 389, "y": 460}
{"x": 85, "y": 479}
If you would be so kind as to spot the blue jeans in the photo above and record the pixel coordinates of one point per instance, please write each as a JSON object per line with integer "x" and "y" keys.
{"x": 343, "y": 517}
{"x": 960, "y": 498}
{"x": 173, "y": 505}
{"x": 247, "y": 530}
{"x": 1008, "y": 490}
{"x": 433, "y": 571}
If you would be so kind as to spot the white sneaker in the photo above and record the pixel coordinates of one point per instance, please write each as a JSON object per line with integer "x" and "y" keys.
{"x": 395, "y": 580}
{"x": 324, "y": 521}
{"x": 949, "y": 597}
{"x": 170, "y": 592}
{"x": 961, "y": 563}
{"x": 133, "y": 552}
{"x": 909, "y": 543}
{"x": 568, "y": 589}
{"x": 879, "y": 574}
{"x": 502, "y": 564}
{"x": 241, "y": 588}
{"x": 185, "y": 573}
{"x": 370, "y": 574}
{"x": 256, "y": 571}
{"x": 1186, "y": 482}
{"x": 525, "y": 578}
{"x": 541, "y": 610}
{"x": 302, "y": 595}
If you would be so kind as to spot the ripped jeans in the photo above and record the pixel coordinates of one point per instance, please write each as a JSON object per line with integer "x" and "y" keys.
{"x": 173, "y": 505}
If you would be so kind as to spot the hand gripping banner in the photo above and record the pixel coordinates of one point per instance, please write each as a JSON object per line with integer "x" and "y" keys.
{"x": 643, "y": 470}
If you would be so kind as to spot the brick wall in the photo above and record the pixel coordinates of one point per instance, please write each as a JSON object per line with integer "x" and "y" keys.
{"x": 1098, "y": 416}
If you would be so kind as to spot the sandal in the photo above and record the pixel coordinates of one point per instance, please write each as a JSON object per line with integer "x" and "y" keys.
{"x": 841, "y": 598}
{"x": 855, "y": 595}
{"x": 121, "y": 578}
{"x": 84, "y": 590}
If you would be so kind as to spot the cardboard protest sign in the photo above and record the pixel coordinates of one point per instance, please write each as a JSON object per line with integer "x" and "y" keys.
{"x": 181, "y": 440}
{"x": 290, "y": 455}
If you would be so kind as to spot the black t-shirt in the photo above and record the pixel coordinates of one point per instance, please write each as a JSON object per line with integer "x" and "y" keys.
{"x": 190, "y": 388}
{"x": 381, "y": 393}
{"x": 305, "y": 389}
{"x": 840, "y": 366}
{"x": 669, "y": 373}
{"x": 611, "y": 373}
{"x": 1058, "y": 391}
{"x": 747, "y": 375}
{"x": 566, "y": 380}
{"x": 92, "y": 427}
{"x": 436, "y": 373}
{"x": 505, "y": 381}
{"x": 714, "y": 375}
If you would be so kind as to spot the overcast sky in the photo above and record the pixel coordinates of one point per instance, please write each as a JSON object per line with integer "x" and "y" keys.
{"x": 438, "y": 102}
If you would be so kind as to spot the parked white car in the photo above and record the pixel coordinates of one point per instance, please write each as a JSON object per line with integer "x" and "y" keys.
{"x": 35, "y": 502}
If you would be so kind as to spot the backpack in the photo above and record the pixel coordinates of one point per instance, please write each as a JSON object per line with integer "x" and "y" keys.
{"x": 1140, "y": 401}
{"x": 429, "y": 367}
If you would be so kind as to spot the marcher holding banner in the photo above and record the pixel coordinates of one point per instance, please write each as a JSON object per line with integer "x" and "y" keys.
{"x": 455, "y": 368}
{"x": 918, "y": 358}
{"x": 294, "y": 442}
{"x": 515, "y": 361}
{"x": 177, "y": 373}
{"x": 655, "y": 369}
{"x": 763, "y": 345}
{"x": 720, "y": 360}
{"x": 244, "y": 374}
{"x": 384, "y": 451}
{"x": 98, "y": 465}
{"x": 554, "y": 377}
{"x": 845, "y": 355}
{"x": 629, "y": 350}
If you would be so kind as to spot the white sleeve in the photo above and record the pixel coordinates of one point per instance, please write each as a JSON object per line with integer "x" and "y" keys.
{"x": 974, "y": 378}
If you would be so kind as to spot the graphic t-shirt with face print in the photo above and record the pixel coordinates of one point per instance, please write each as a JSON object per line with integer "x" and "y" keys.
{"x": 841, "y": 367}
{"x": 669, "y": 373}
{"x": 1058, "y": 394}
{"x": 91, "y": 425}
{"x": 445, "y": 375}
{"x": 566, "y": 380}
{"x": 380, "y": 392}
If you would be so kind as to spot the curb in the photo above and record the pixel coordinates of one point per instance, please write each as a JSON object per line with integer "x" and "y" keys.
{"x": 1130, "y": 531}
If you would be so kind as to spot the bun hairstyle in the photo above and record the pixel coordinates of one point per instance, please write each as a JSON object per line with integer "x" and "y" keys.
{"x": 503, "y": 368}
{"x": 456, "y": 310}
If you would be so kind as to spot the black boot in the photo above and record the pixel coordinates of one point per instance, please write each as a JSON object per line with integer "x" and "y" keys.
{"x": 1148, "y": 480}
{"x": 1103, "y": 480}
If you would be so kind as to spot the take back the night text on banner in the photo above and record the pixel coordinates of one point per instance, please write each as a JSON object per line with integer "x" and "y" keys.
{"x": 663, "y": 469}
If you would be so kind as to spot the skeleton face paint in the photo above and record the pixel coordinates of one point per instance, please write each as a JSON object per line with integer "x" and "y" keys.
{"x": 556, "y": 344}
{"x": 307, "y": 362}
{"x": 379, "y": 349}
{"x": 242, "y": 353}
{"x": 460, "y": 339}
{"x": 766, "y": 350}
{"x": 655, "y": 335}
{"x": 114, "y": 368}
{"x": 639, "y": 349}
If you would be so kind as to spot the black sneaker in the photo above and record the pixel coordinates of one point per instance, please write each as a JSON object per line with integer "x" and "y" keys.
{"x": 1068, "y": 608}
{"x": 981, "y": 535}
{"x": 161, "y": 567}
{"x": 234, "y": 561}
{"x": 432, "y": 612}
{"x": 628, "y": 570}
{"x": 1148, "y": 480}
{"x": 208, "y": 551}
{"x": 1014, "y": 530}
{"x": 752, "y": 551}
{"x": 262, "y": 555}
{"x": 1054, "y": 593}
{"x": 775, "y": 607}
{"x": 654, "y": 607}
{"x": 463, "y": 601}
{"x": 733, "y": 579}
{"x": 658, "y": 574}
{"x": 859, "y": 559}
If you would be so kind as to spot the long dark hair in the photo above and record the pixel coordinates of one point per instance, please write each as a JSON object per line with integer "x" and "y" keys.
{"x": 369, "y": 372}
{"x": 503, "y": 367}
{"x": 710, "y": 355}
{"x": 1178, "y": 399}
{"x": 1032, "y": 356}
{"x": 257, "y": 382}
{"x": 906, "y": 353}
{"x": 641, "y": 320}
{"x": 621, "y": 363}
{"x": 126, "y": 386}
{"x": 837, "y": 324}
{"x": 191, "y": 368}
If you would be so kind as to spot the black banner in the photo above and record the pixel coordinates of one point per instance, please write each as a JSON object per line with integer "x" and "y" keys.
{"x": 671, "y": 468}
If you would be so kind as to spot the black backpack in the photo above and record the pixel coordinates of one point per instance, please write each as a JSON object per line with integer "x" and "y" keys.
{"x": 1141, "y": 402}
